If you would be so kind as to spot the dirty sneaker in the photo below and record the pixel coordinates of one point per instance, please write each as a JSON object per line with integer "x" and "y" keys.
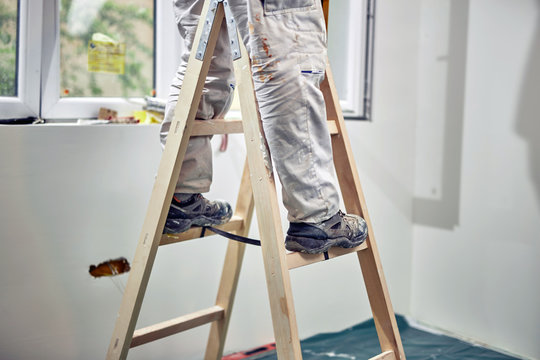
{"x": 341, "y": 230}
{"x": 195, "y": 210}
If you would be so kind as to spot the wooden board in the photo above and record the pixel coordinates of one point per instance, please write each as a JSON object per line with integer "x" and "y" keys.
{"x": 268, "y": 218}
{"x": 162, "y": 193}
{"x": 236, "y": 223}
{"x": 174, "y": 326}
{"x": 387, "y": 355}
{"x": 233, "y": 126}
{"x": 297, "y": 259}
{"x": 231, "y": 270}
{"x": 353, "y": 196}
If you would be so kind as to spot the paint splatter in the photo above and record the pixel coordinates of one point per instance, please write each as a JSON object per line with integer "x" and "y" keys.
{"x": 110, "y": 268}
{"x": 265, "y": 78}
{"x": 266, "y": 48}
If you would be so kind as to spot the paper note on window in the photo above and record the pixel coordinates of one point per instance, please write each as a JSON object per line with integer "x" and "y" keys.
{"x": 106, "y": 55}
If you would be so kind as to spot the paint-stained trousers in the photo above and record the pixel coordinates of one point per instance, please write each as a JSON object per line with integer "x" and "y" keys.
{"x": 286, "y": 40}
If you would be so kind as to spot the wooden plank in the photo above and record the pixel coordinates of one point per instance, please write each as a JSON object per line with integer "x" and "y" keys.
{"x": 174, "y": 326}
{"x": 168, "y": 171}
{"x": 297, "y": 259}
{"x": 353, "y": 196}
{"x": 332, "y": 127}
{"x": 219, "y": 126}
{"x": 387, "y": 355}
{"x": 231, "y": 270}
{"x": 268, "y": 217}
{"x": 236, "y": 223}
{"x": 233, "y": 126}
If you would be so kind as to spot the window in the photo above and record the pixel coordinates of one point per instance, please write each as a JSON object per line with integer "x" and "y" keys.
{"x": 104, "y": 56}
{"x": 64, "y": 59}
{"x": 350, "y": 50}
{"x": 106, "y": 48}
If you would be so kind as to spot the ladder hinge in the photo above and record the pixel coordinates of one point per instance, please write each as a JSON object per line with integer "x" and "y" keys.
{"x": 231, "y": 29}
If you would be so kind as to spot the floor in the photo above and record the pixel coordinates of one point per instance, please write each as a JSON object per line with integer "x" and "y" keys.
{"x": 361, "y": 342}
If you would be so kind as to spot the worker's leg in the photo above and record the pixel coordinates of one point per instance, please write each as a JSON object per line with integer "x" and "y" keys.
{"x": 196, "y": 173}
{"x": 286, "y": 40}
{"x": 188, "y": 207}
{"x": 288, "y": 54}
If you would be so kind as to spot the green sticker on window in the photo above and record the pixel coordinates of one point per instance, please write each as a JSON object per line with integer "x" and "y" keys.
{"x": 106, "y": 55}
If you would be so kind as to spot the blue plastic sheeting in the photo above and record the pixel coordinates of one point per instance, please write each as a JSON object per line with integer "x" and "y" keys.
{"x": 360, "y": 342}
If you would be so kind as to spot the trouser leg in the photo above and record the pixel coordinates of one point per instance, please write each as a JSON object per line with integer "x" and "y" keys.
{"x": 286, "y": 41}
{"x": 196, "y": 171}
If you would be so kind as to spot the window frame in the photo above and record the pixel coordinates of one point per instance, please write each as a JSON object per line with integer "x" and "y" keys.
{"x": 26, "y": 103}
{"x": 357, "y": 104}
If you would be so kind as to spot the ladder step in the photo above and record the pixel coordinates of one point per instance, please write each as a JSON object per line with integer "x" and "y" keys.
{"x": 219, "y": 126}
{"x": 387, "y": 355}
{"x": 332, "y": 127}
{"x": 171, "y": 327}
{"x": 233, "y": 126}
{"x": 294, "y": 259}
{"x": 297, "y": 259}
{"x": 236, "y": 223}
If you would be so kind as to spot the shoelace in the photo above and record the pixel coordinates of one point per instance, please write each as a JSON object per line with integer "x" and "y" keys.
{"x": 348, "y": 222}
{"x": 209, "y": 206}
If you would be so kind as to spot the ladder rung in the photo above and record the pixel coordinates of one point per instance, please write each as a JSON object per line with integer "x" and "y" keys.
{"x": 233, "y": 126}
{"x": 332, "y": 127}
{"x": 171, "y": 327}
{"x": 220, "y": 126}
{"x": 236, "y": 223}
{"x": 297, "y": 259}
{"x": 387, "y": 355}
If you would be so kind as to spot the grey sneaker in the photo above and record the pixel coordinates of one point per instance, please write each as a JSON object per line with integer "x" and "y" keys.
{"x": 198, "y": 211}
{"x": 341, "y": 230}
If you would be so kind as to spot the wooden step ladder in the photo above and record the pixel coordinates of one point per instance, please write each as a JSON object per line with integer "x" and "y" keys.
{"x": 257, "y": 189}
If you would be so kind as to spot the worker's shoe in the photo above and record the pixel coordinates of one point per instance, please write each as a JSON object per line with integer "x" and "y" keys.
{"x": 195, "y": 210}
{"x": 341, "y": 230}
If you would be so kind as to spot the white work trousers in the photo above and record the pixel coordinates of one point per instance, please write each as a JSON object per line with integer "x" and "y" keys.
{"x": 286, "y": 41}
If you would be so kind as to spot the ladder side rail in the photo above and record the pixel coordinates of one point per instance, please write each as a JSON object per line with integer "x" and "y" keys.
{"x": 268, "y": 217}
{"x": 387, "y": 355}
{"x": 231, "y": 270}
{"x": 169, "y": 169}
{"x": 355, "y": 203}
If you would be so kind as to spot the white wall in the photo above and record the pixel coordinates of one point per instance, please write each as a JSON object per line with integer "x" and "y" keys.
{"x": 477, "y": 192}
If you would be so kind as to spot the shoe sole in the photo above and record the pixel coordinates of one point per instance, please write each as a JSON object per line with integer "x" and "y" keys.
{"x": 204, "y": 221}
{"x": 348, "y": 243}
{"x": 200, "y": 221}
{"x": 294, "y": 243}
{"x": 297, "y": 244}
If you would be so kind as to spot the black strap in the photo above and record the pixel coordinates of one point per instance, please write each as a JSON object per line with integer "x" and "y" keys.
{"x": 243, "y": 239}
{"x": 235, "y": 237}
